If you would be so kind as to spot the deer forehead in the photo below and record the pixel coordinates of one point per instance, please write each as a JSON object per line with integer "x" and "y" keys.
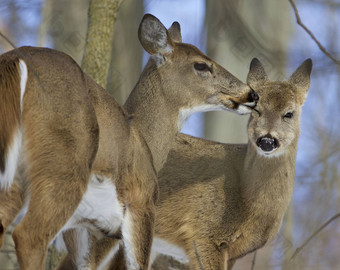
{"x": 185, "y": 52}
{"x": 277, "y": 98}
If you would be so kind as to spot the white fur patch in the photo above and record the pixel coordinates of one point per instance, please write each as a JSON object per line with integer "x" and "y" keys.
{"x": 127, "y": 232}
{"x": 23, "y": 80}
{"x": 83, "y": 251}
{"x": 250, "y": 104}
{"x": 274, "y": 153}
{"x": 185, "y": 113}
{"x": 160, "y": 246}
{"x": 244, "y": 109}
{"x": 99, "y": 204}
{"x": 7, "y": 178}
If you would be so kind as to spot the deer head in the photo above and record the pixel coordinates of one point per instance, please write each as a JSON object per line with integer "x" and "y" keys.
{"x": 274, "y": 122}
{"x": 189, "y": 76}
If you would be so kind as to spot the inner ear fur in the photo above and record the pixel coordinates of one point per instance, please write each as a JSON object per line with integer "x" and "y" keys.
{"x": 154, "y": 36}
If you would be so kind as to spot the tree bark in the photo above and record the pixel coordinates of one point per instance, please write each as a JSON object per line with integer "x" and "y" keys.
{"x": 127, "y": 52}
{"x": 98, "y": 49}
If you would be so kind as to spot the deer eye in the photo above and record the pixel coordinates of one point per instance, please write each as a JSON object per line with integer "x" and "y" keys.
{"x": 202, "y": 67}
{"x": 288, "y": 115}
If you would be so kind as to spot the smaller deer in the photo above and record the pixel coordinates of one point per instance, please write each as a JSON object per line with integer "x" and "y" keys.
{"x": 225, "y": 200}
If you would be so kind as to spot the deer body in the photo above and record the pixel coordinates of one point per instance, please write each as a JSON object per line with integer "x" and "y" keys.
{"x": 230, "y": 200}
{"x": 220, "y": 202}
{"x": 208, "y": 199}
{"x": 91, "y": 164}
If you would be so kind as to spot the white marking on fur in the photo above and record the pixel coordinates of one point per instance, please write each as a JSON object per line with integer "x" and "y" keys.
{"x": 250, "y": 104}
{"x": 160, "y": 246}
{"x": 59, "y": 242}
{"x": 185, "y": 113}
{"x": 7, "y": 177}
{"x": 23, "y": 80}
{"x": 243, "y": 109}
{"x": 127, "y": 232}
{"x": 270, "y": 154}
{"x": 99, "y": 204}
{"x": 84, "y": 248}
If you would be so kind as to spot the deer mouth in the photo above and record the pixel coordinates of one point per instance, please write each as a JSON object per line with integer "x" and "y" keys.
{"x": 267, "y": 144}
{"x": 242, "y": 105}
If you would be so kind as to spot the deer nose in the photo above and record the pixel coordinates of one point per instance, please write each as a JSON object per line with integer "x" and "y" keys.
{"x": 267, "y": 143}
{"x": 253, "y": 96}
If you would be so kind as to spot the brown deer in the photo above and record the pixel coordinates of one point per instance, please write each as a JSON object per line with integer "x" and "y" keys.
{"x": 219, "y": 202}
{"x": 90, "y": 163}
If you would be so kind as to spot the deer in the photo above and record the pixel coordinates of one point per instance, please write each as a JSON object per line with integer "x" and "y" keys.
{"x": 91, "y": 165}
{"x": 219, "y": 202}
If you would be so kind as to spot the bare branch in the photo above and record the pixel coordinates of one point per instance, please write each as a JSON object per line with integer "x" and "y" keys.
{"x": 8, "y": 40}
{"x": 314, "y": 234}
{"x": 253, "y": 261}
{"x": 322, "y": 48}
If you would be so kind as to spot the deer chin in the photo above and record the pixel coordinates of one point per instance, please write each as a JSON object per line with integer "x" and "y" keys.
{"x": 232, "y": 104}
{"x": 270, "y": 154}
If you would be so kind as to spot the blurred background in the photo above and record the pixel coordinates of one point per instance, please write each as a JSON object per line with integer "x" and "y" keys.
{"x": 231, "y": 32}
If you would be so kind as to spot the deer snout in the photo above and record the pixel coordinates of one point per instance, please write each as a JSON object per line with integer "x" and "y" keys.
{"x": 250, "y": 99}
{"x": 267, "y": 143}
{"x": 253, "y": 96}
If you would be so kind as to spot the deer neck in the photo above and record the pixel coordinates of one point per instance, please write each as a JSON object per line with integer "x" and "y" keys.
{"x": 267, "y": 182}
{"x": 155, "y": 120}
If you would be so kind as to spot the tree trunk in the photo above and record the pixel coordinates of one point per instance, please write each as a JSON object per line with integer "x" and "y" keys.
{"x": 127, "y": 54}
{"x": 98, "y": 49}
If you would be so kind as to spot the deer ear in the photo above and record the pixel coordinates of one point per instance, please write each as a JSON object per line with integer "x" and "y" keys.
{"x": 153, "y": 36}
{"x": 301, "y": 76}
{"x": 257, "y": 74}
{"x": 175, "y": 32}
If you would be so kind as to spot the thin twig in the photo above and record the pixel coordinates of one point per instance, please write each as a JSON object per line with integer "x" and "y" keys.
{"x": 198, "y": 257}
{"x": 8, "y": 40}
{"x": 313, "y": 235}
{"x": 322, "y": 48}
{"x": 253, "y": 261}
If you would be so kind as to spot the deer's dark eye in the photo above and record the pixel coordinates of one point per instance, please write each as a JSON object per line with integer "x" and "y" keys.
{"x": 202, "y": 67}
{"x": 288, "y": 115}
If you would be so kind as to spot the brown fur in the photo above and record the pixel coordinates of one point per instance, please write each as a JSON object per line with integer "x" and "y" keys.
{"x": 73, "y": 129}
{"x": 229, "y": 200}
{"x": 9, "y": 104}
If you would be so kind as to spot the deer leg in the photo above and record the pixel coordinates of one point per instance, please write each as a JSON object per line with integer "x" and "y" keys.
{"x": 11, "y": 202}
{"x": 78, "y": 243}
{"x": 47, "y": 213}
{"x": 58, "y": 179}
{"x": 118, "y": 262}
{"x": 77, "y": 258}
{"x": 137, "y": 231}
{"x": 204, "y": 255}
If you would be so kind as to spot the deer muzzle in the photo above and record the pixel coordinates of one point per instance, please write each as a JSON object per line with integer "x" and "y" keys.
{"x": 267, "y": 143}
